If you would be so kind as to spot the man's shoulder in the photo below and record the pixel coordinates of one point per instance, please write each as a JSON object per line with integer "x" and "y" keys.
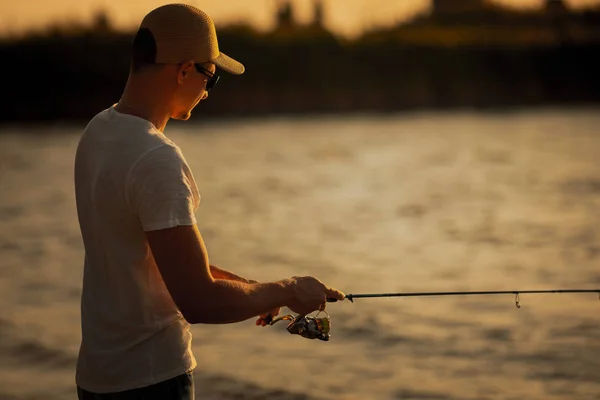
{"x": 96, "y": 120}
{"x": 125, "y": 131}
{"x": 159, "y": 146}
{"x": 109, "y": 121}
{"x": 158, "y": 152}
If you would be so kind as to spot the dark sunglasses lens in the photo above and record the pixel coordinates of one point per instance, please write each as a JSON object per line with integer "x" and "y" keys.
{"x": 212, "y": 81}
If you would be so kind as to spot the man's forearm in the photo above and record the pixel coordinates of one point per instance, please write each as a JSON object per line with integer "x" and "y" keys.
{"x": 219, "y": 273}
{"x": 238, "y": 301}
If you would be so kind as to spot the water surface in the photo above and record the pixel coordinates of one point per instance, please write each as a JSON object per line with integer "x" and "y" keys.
{"x": 411, "y": 202}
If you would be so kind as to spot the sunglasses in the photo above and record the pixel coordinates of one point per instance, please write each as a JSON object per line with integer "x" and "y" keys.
{"x": 212, "y": 78}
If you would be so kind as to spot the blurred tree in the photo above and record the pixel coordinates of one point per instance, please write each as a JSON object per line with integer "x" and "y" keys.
{"x": 285, "y": 16}
{"x": 558, "y": 14}
{"x": 101, "y": 22}
{"x": 318, "y": 14}
{"x": 556, "y": 6}
{"x": 490, "y": 58}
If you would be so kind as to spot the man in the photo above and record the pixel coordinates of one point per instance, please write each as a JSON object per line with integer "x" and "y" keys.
{"x": 146, "y": 271}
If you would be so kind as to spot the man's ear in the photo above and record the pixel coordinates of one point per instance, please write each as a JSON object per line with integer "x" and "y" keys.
{"x": 185, "y": 68}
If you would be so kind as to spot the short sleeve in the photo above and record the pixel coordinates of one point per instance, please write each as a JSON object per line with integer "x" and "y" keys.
{"x": 161, "y": 190}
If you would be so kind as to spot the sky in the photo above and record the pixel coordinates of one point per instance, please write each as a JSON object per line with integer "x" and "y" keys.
{"x": 346, "y": 17}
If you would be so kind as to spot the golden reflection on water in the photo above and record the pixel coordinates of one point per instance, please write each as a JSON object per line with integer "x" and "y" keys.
{"x": 415, "y": 202}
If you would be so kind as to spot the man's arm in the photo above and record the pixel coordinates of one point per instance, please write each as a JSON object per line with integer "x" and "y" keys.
{"x": 219, "y": 273}
{"x": 182, "y": 260}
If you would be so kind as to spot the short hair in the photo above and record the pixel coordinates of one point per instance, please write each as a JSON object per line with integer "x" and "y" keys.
{"x": 143, "y": 52}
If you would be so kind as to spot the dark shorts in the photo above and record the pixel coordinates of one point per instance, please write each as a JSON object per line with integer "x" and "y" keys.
{"x": 179, "y": 388}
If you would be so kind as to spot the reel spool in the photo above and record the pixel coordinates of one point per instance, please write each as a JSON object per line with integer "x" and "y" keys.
{"x": 308, "y": 326}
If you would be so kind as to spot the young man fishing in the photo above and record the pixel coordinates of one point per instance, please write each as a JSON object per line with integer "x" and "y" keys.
{"x": 147, "y": 275}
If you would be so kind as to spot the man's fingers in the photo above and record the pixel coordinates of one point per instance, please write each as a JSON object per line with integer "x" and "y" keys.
{"x": 334, "y": 294}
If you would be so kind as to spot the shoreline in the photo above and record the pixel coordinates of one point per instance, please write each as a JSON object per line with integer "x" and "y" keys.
{"x": 200, "y": 118}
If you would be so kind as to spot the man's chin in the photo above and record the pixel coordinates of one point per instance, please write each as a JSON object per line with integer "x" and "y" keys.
{"x": 183, "y": 116}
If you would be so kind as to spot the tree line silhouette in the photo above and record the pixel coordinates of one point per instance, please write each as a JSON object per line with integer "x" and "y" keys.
{"x": 432, "y": 62}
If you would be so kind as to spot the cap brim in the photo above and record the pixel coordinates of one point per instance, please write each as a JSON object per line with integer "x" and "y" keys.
{"x": 228, "y": 64}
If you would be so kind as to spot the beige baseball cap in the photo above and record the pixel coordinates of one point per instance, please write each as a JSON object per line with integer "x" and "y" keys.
{"x": 183, "y": 32}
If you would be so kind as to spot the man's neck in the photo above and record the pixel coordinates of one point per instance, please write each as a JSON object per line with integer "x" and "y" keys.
{"x": 159, "y": 122}
{"x": 138, "y": 102}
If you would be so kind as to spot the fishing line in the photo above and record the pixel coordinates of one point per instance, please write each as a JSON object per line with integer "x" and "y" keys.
{"x": 351, "y": 296}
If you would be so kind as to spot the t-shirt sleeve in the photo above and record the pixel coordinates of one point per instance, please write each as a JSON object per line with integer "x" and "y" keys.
{"x": 162, "y": 191}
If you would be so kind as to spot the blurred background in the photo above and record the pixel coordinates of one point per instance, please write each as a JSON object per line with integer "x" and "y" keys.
{"x": 421, "y": 145}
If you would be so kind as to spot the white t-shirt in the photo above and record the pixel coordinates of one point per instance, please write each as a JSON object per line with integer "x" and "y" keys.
{"x": 129, "y": 178}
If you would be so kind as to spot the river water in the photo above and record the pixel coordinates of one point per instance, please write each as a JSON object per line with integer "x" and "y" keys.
{"x": 367, "y": 203}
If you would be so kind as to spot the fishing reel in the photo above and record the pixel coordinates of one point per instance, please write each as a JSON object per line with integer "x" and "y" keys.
{"x": 307, "y": 326}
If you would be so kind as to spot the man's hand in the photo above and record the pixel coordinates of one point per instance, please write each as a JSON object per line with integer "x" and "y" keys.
{"x": 262, "y": 320}
{"x": 310, "y": 294}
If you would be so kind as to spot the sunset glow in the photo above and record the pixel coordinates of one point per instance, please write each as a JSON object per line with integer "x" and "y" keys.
{"x": 347, "y": 17}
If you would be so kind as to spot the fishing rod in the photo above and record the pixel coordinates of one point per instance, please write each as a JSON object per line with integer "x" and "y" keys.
{"x": 351, "y": 297}
{"x": 315, "y": 327}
